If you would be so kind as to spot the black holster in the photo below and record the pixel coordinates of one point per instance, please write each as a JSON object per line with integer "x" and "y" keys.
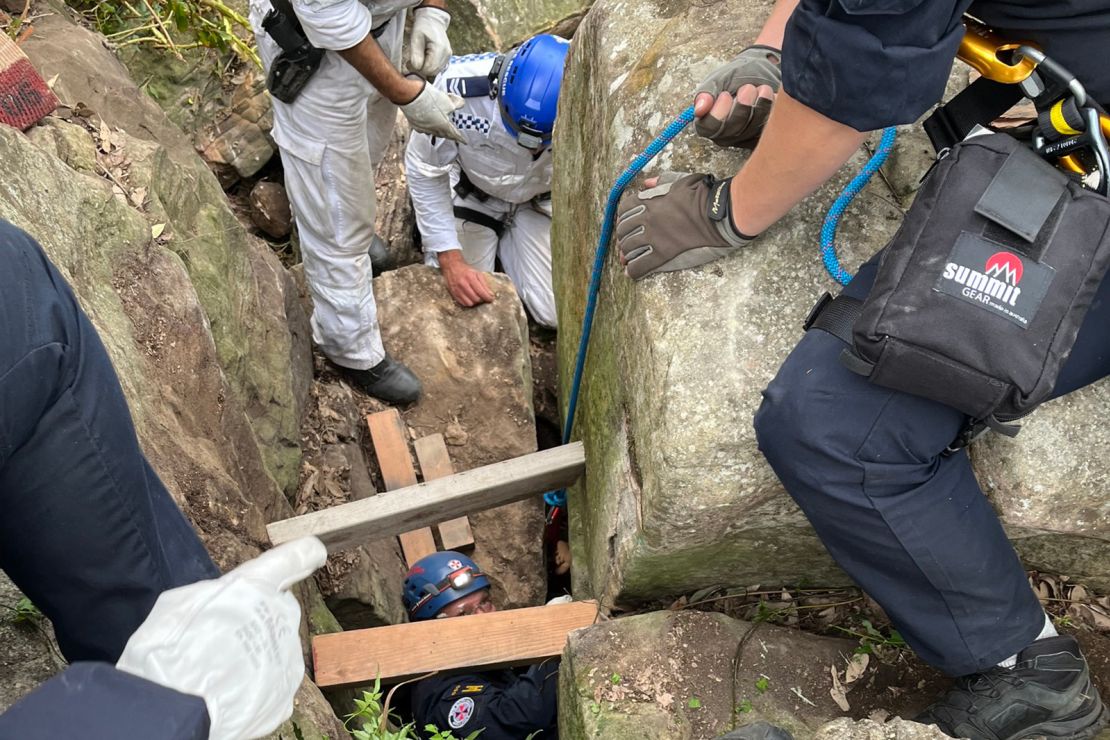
{"x": 298, "y": 60}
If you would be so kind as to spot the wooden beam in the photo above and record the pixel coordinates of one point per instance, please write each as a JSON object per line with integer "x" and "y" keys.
{"x": 481, "y": 641}
{"x": 392, "y": 448}
{"x": 431, "y": 453}
{"x": 391, "y": 512}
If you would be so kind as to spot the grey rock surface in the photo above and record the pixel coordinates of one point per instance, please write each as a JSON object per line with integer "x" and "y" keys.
{"x": 692, "y": 675}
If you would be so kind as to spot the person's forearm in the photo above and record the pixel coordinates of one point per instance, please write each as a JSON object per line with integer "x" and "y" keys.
{"x": 442, "y": 4}
{"x": 775, "y": 26}
{"x": 799, "y": 150}
{"x": 372, "y": 63}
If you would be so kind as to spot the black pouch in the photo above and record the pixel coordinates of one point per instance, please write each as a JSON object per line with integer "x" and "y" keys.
{"x": 980, "y": 294}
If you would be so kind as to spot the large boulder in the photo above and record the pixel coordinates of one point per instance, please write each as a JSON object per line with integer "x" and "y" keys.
{"x": 683, "y": 675}
{"x": 240, "y": 284}
{"x": 676, "y": 494}
{"x": 476, "y": 370}
{"x": 200, "y": 320}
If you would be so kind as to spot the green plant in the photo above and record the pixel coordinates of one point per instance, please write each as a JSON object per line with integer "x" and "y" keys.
{"x": 378, "y": 723}
{"x": 694, "y": 703}
{"x": 615, "y": 679}
{"x": 24, "y": 612}
{"x": 173, "y": 25}
{"x": 871, "y": 638}
{"x": 744, "y": 707}
{"x": 762, "y": 684}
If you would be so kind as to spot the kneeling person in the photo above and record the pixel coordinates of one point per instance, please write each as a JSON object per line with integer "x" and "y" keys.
{"x": 504, "y": 705}
{"x": 500, "y": 174}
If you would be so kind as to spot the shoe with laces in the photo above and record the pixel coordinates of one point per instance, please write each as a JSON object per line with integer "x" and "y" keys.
{"x": 1047, "y": 693}
{"x": 389, "y": 380}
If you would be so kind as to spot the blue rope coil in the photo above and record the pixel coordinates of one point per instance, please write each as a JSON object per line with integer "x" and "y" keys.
{"x": 673, "y": 129}
{"x": 832, "y": 219}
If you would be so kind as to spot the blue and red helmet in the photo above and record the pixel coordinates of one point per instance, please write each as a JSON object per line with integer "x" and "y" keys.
{"x": 436, "y": 580}
{"x": 528, "y": 82}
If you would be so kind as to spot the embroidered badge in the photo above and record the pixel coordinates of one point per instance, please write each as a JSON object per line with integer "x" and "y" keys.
{"x": 454, "y": 564}
{"x": 461, "y": 712}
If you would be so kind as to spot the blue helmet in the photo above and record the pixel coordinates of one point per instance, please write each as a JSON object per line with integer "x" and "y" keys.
{"x": 529, "y": 78}
{"x": 436, "y": 580}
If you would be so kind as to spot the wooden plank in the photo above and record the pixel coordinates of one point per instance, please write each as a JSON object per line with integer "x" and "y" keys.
{"x": 392, "y": 448}
{"x": 391, "y": 512}
{"x": 481, "y": 641}
{"x": 431, "y": 453}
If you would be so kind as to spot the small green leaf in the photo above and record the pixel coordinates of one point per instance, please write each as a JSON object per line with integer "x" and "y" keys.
{"x": 615, "y": 679}
{"x": 744, "y": 707}
{"x": 762, "y": 684}
{"x": 694, "y": 703}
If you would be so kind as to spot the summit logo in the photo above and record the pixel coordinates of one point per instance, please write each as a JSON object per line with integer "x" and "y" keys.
{"x": 992, "y": 277}
{"x": 997, "y": 281}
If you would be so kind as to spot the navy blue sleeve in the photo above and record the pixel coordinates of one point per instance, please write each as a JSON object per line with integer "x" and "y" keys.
{"x": 94, "y": 701}
{"x": 871, "y": 63}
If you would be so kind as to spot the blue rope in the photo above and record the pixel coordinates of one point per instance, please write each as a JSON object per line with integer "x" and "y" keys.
{"x": 832, "y": 220}
{"x": 828, "y": 249}
{"x": 559, "y": 498}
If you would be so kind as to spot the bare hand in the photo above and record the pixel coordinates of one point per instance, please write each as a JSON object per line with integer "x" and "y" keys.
{"x": 465, "y": 284}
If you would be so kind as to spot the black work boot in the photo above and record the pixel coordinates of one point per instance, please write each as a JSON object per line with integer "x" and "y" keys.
{"x": 389, "y": 380}
{"x": 380, "y": 259}
{"x": 1048, "y": 693}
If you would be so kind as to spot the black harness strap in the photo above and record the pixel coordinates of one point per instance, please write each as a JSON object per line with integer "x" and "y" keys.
{"x": 835, "y": 316}
{"x": 977, "y": 104}
{"x": 497, "y": 226}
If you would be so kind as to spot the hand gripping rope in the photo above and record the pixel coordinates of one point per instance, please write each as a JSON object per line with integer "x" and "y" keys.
{"x": 828, "y": 249}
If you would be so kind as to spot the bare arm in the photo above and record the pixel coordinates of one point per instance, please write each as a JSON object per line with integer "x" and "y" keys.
{"x": 800, "y": 149}
{"x": 372, "y": 63}
{"x": 775, "y": 26}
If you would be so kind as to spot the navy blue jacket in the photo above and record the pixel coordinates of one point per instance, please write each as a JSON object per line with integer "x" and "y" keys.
{"x": 508, "y": 705}
{"x": 876, "y": 63}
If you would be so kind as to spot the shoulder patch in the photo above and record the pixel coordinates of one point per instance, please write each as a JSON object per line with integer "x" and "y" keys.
{"x": 468, "y": 87}
{"x": 460, "y": 713}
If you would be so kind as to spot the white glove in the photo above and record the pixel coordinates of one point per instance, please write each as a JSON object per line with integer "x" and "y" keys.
{"x": 430, "y": 112}
{"x": 429, "y": 47}
{"x": 232, "y": 641}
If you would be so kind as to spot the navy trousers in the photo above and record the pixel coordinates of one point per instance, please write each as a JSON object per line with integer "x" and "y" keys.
{"x": 87, "y": 530}
{"x": 910, "y": 525}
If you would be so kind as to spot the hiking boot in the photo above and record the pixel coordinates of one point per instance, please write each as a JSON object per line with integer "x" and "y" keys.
{"x": 1048, "y": 693}
{"x": 380, "y": 259}
{"x": 389, "y": 381}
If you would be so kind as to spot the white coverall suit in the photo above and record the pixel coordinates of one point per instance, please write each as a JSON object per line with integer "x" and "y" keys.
{"x": 330, "y": 138}
{"x": 516, "y": 183}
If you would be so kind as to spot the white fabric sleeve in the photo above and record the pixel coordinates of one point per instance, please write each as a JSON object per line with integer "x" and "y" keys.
{"x": 428, "y": 166}
{"x": 333, "y": 24}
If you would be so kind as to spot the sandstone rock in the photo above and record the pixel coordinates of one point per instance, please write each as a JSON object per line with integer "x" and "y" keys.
{"x": 270, "y": 209}
{"x": 29, "y": 654}
{"x": 676, "y": 495}
{"x": 239, "y": 136}
{"x": 895, "y": 729}
{"x": 488, "y": 25}
{"x": 476, "y": 372}
{"x": 68, "y": 142}
{"x": 194, "y": 319}
{"x": 693, "y": 675}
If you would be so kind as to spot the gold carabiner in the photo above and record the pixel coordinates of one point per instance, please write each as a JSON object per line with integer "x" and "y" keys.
{"x": 992, "y": 56}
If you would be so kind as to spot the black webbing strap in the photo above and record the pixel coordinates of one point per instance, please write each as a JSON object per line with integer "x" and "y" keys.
{"x": 978, "y": 104}
{"x": 836, "y": 316}
{"x": 497, "y": 226}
